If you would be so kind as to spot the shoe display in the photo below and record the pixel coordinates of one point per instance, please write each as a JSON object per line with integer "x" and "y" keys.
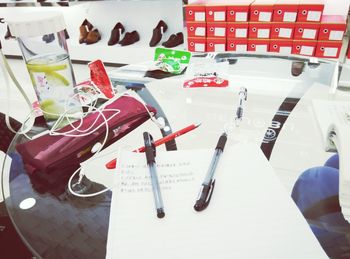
{"x": 158, "y": 33}
{"x": 174, "y": 40}
{"x": 130, "y": 38}
{"x": 93, "y": 37}
{"x": 116, "y": 32}
{"x": 8, "y": 34}
{"x": 66, "y": 35}
{"x": 84, "y": 28}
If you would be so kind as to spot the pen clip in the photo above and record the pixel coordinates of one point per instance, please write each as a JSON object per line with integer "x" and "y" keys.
{"x": 204, "y": 196}
{"x": 150, "y": 148}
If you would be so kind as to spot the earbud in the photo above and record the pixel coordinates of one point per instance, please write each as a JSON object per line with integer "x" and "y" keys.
{"x": 161, "y": 122}
{"x": 96, "y": 147}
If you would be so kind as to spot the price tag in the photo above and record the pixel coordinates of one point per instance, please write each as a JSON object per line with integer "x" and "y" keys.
{"x": 289, "y": 16}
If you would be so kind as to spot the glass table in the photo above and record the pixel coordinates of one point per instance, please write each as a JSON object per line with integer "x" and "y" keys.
{"x": 278, "y": 117}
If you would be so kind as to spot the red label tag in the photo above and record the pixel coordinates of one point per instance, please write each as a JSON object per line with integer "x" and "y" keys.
{"x": 100, "y": 78}
{"x": 213, "y": 81}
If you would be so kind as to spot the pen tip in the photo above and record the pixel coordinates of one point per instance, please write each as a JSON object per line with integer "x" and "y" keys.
{"x": 160, "y": 213}
{"x": 197, "y": 208}
{"x": 197, "y": 125}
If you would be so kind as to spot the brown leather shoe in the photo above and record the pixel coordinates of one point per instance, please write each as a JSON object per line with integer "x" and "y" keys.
{"x": 83, "y": 34}
{"x": 66, "y": 35}
{"x": 174, "y": 40}
{"x": 116, "y": 32}
{"x": 84, "y": 29}
{"x": 130, "y": 38}
{"x": 93, "y": 37}
{"x": 158, "y": 33}
{"x": 8, "y": 34}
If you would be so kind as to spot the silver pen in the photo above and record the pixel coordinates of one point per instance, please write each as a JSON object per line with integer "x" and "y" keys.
{"x": 150, "y": 151}
{"x": 242, "y": 96}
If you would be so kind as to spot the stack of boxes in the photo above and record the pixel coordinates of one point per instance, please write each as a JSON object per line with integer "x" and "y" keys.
{"x": 330, "y": 37}
{"x": 283, "y": 26}
{"x": 237, "y": 26}
{"x": 285, "y": 14}
{"x": 261, "y": 13}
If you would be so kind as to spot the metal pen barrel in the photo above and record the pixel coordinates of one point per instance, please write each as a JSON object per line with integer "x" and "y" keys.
{"x": 150, "y": 151}
{"x": 156, "y": 191}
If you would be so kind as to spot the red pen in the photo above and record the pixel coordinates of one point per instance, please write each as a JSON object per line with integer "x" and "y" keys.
{"x": 112, "y": 164}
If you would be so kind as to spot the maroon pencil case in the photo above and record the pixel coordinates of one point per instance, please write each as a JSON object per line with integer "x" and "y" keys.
{"x": 49, "y": 159}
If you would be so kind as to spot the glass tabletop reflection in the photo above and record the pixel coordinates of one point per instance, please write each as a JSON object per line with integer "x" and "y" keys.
{"x": 56, "y": 224}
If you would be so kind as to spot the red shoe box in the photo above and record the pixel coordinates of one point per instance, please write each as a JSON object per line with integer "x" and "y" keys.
{"x": 285, "y": 11}
{"x": 238, "y": 11}
{"x": 196, "y": 44}
{"x": 310, "y": 10}
{"x": 237, "y": 30}
{"x": 261, "y": 10}
{"x": 215, "y": 13}
{"x": 239, "y": 45}
{"x": 195, "y": 13}
{"x": 196, "y": 29}
{"x": 216, "y": 29}
{"x": 281, "y": 46}
{"x": 259, "y": 30}
{"x": 304, "y": 47}
{"x": 332, "y": 27}
{"x": 306, "y": 31}
{"x": 258, "y": 45}
{"x": 348, "y": 52}
{"x": 328, "y": 49}
{"x": 282, "y": 30}
{"x": 216, "y": 44}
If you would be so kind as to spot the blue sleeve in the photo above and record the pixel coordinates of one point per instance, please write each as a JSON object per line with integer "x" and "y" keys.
{"x": 333, "y": 161}
{"x": 314, "y": 185}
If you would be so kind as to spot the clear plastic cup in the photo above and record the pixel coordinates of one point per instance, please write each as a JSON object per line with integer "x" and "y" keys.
{"x": 43, "y": 44}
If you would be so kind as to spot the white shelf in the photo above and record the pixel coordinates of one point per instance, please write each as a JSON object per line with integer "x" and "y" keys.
{"x": 141, "y": 16}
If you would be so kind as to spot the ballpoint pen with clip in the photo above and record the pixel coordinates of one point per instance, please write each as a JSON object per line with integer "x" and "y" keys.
{"x": 242, "y": 96}
{"x": 208, "y": 184}
{"x": 150, "y": 151}
{"x": 112, "y": 164}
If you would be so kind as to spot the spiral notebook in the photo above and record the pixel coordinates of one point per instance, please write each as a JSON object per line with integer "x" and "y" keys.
{"x": 250, "y": 214}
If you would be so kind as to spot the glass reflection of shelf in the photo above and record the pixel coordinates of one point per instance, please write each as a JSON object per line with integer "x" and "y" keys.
{"x": 23, "y": 3}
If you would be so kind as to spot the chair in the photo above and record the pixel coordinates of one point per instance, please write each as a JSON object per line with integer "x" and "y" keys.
{"x": 11, "y": 244}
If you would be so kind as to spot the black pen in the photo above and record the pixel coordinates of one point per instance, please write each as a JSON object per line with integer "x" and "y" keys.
{"x": 208, "y": 184}
{"x": 150, "y": 151}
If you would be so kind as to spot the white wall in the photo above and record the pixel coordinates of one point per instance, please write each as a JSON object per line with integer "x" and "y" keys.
{"x": 142, "y": 16}
{"x": 339, "y": 7}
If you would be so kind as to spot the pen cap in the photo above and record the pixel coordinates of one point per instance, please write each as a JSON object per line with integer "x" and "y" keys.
{"x": 149, "y": 148}
{"x": 222, "y": 141}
